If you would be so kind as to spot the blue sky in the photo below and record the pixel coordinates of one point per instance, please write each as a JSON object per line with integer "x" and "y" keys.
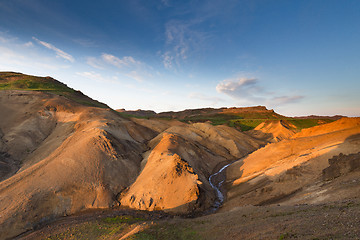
{"x": 296, "y": 57}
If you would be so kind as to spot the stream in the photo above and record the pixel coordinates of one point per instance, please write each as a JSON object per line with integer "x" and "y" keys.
{"x": 216, "y": 186}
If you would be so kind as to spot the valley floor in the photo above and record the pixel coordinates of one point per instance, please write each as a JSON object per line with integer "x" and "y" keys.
{"x": 336, "y": 220}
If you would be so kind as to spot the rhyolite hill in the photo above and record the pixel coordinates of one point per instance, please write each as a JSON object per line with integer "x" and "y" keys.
{"x": 62, "y": 153}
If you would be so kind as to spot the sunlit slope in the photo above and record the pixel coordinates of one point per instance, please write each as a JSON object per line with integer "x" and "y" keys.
{"x": 273, "y": 130}
{"x": 176, "y": 169}
{"x": 286, "y": 171}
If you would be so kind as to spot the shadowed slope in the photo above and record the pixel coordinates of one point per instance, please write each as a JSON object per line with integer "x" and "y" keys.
{"x": 62, "y": 157}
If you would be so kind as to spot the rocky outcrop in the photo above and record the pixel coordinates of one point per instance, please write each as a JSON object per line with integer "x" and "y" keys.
{"x": 341, "y": 165}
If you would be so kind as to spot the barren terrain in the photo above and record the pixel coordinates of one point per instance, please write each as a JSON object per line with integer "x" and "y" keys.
{"x": 69, "y": 164}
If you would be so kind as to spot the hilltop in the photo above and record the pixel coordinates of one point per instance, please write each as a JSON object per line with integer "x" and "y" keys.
{"x": 19, "y": 81}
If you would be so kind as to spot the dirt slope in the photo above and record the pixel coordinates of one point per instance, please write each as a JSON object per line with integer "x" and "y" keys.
{"x": 273, "y": 130}
{"x": 61, "y": 157}
{"x": 291, "y": 171}
{"x": 177, "y": 166}
{"x": 220, "y": 140}
{"x": 167, "y": 181}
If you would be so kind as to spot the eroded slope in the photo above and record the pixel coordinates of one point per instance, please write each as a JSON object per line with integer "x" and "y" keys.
{"x": 62, "y": 157}
{"x": 290, "y": 171}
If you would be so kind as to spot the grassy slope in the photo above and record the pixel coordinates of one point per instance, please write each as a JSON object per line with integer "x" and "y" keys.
{"x": 243, "y": 119}
{"x": 250, "y": 120}
{"x": 18, "y": 81}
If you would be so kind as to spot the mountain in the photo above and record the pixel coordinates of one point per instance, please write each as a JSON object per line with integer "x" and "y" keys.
{"x": 137, "y": 113}
{"x": 63, "y": 154}
{"x": 335, "y": 117}
{"x": 241, "y": 118}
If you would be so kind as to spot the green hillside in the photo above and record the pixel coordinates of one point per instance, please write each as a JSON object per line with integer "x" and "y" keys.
{"x": 19, "y": 81}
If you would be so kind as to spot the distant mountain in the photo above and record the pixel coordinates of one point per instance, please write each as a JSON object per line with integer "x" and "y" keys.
{"x": 19, "y": 81}
{"x": 335, "y": 117}
{"x": 241, "y": 118}
{"x": 137, "y": 113}
{"x": 223, "y": 113}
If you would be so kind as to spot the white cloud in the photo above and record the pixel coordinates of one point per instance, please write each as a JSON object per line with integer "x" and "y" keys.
{"x": 94, "y": 62}
{"x": 14, "y": 59}
{"x": 117, "y": 62}
{"x": 126, "y": 66}
{"x": 245, "y": 89}
{"x": 28, "y": 44}
{"x": 96, "y": 77}
{"x": 5, "y": 38}
{"x": 59, "y": 52}
{"x": 248, "y": 91}
{"x": 135, "y": 75}
{"x": 168, "y": 60}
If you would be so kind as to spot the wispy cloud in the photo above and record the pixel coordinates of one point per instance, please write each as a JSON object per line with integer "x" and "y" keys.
{"x": 5, "y": 38}
{"x": 165, "y": 2}
{"x": 59, "y": 52}
{"x": 97, "y": 77}
{"x": 249, "y": 91}
{"x": 85, "y": 42}
{"x": 181, "y": 40}
{"x": 168, "y": 60}
{"x": 136, "y": 75}
{"x": 28, "y": 44}
{"x": 211, "y": 99}
{"x": 14, "y": 59}
{"x": 286, "y": 99}
{"x": 94, "y": 62}
{"x": 117, "y": 62}
{"x": 126, "y": 66}
{"x": 245, "y": 89}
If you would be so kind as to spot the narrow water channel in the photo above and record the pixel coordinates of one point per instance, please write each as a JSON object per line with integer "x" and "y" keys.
{"x": 216, "y": 180}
